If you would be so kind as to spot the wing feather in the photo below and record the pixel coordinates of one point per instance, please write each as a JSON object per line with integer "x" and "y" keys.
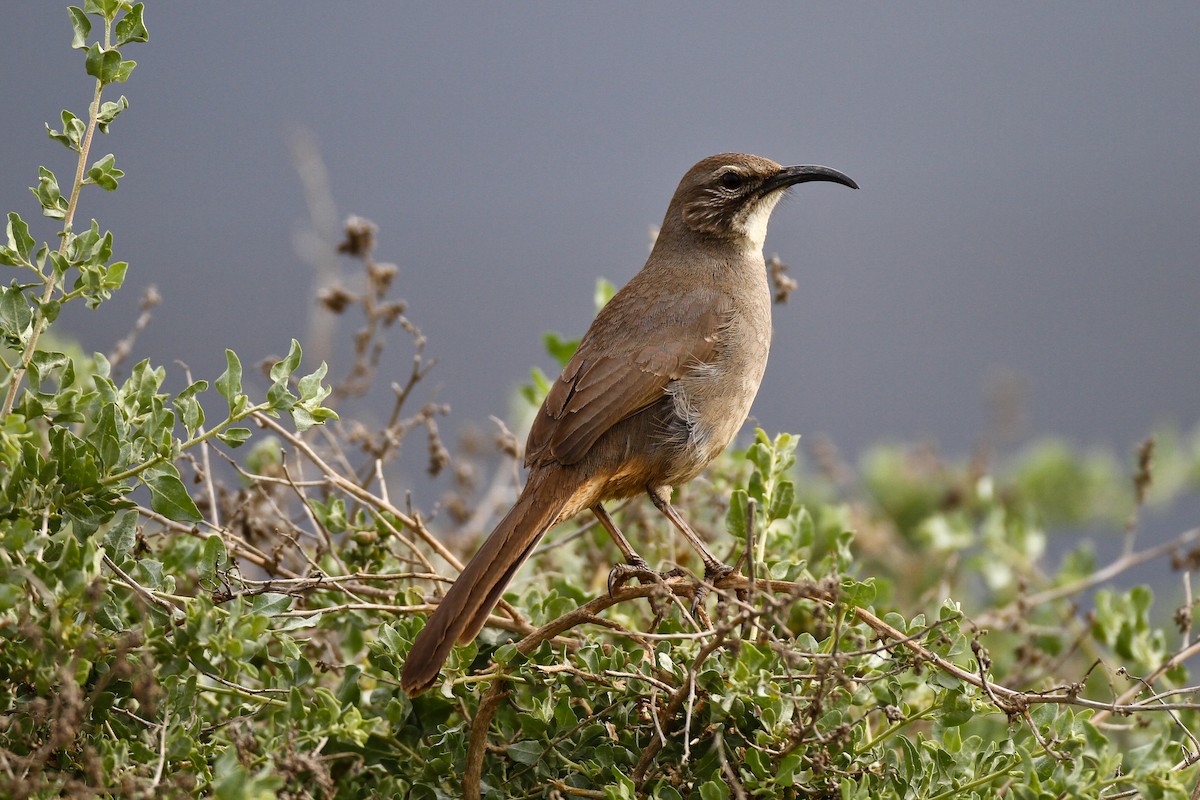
{"x": 608, "y": 380}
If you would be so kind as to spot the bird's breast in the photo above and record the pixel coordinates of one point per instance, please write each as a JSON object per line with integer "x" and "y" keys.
{"x": 714, "y": 397}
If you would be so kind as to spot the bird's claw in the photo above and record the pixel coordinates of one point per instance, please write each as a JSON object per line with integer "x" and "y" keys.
{"x": 637, "y": 567}
{"x": 712, "y": 574}
{"x": 620, "y": 574}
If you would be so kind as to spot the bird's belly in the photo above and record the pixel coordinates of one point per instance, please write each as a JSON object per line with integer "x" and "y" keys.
{"x": 714, "y": 404}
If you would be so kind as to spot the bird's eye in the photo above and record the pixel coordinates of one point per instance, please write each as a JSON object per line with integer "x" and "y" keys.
{"x": 731, "y": 181}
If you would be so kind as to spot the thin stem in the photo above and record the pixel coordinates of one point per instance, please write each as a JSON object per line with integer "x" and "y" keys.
{"x": 983, "y": 780}
{"x": 200, "y": 438}
{"x": 51, "y": 280}
{"x": 1126, "y": 561}
{"x": 893, "y": 729}
{"x": 234, "y": 690}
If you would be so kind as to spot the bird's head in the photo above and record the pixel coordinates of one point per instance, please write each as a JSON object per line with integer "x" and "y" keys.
{"x": 731, "y": 195}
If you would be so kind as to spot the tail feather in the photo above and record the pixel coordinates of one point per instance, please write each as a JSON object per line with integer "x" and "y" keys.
{"x": 464, "y": 610}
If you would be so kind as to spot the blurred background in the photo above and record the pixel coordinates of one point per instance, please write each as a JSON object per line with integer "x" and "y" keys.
{"x": 1027, "y": 236}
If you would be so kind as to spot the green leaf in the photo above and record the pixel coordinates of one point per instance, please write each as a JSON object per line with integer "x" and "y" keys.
{"x": 560, "y": 349}
{"x": 759, "y": 455}
{"x": 282, "y": 370}
{"x": 50, "y": 197}
{"x": 141, "y": 388}
{"x": 842, "y": 548}
{"x": 76, "y": 460}
{"x": 505, "y": 654}
{"x": 785, "y": 450}
{"x": 279, "y": 398}
{"x": 781, "y": 501}
{"x": 302, "y": 419}
{"x": 526, "y": 751}
{"x": 103, "y": 8}
{"x": 860, "y": 594}
{"x": 15, "y": 316}
{"x": 308, "y": 411}
{"x": 124, "y": 70}
{"x": 19, "y": 239}
{"x": 230, "y": 777}
{"x": 332, "y": 514}
{"x": 956, "y": 709}
{"x": 44, "y": 362}
{"x": 131, "y": 28}
{"x": 311, "y": 390}
{"x": 322, "y": 415}
{"x": 121, "y": 536}
{"x": 191, "y": 413}
{"x": 213, "y": 558}
{"x": 623, "y": 789}
{"x": 83, "y": 249}
{"x": 72, "y": 132}
{"x": 535, "y": 393}
{"x": 114, "y": 275}
{"x": 169, "y": 498}
{"x": 265, "y": 457}
{"x": 234, "y": 437}
{"x": 229, "y": 384}
{"x": 269, "y": 603}
{"x": 103, "y": 367}
{"x": 603, "y": 293}
{"x": 757, "y": 488}
{"x": 82, "y": 27}
{"x": 109, "y": 432}
{"x": 806, "y": 527}
{"x": 102, "y": 64}
{"x": 9, "y": 258}
{"x": 950, "y": 609}
{"x": 109, "y": 111}
{"x": 104, "y": 174}
{"x": 735, "y": 518}
{"x": 58, "y": 263}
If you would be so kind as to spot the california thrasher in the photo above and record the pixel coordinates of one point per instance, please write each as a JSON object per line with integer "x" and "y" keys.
{"x": 659, "y": 385}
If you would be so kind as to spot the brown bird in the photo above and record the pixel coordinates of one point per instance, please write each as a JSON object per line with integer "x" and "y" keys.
{"x": 659, "y": 385}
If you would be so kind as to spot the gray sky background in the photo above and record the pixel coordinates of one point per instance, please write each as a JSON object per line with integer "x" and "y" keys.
{"x": 1030, "y": 188}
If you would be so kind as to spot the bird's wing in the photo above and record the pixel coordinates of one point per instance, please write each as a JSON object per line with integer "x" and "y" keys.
{"x": 604, "y": 383}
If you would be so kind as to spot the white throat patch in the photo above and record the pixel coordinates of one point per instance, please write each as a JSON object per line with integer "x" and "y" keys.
{"x": 752, "y": 222}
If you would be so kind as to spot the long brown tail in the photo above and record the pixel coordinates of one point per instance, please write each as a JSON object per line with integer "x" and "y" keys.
{"x": 465, "y": 608}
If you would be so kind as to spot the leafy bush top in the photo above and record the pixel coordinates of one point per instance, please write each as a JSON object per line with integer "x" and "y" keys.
{"x": 219, "y": 605}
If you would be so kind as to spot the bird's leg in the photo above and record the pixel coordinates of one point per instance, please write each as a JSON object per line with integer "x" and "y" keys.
{"x": 631, "y": 557}
{"x": 635, "y": 566}
{"x": 714, "y": 568}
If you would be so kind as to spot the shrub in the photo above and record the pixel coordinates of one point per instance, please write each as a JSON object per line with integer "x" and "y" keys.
{"x": 190, "y": 607}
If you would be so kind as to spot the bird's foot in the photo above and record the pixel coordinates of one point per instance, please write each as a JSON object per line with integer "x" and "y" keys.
{"x": 712, "y": 574}
{"x": 638, "y": 567}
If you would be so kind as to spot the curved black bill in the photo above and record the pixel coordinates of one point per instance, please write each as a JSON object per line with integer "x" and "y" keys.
{"x": 789, "y": 176}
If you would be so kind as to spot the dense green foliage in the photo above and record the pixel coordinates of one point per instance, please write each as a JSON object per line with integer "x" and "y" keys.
{"x": 190, "y": 607}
